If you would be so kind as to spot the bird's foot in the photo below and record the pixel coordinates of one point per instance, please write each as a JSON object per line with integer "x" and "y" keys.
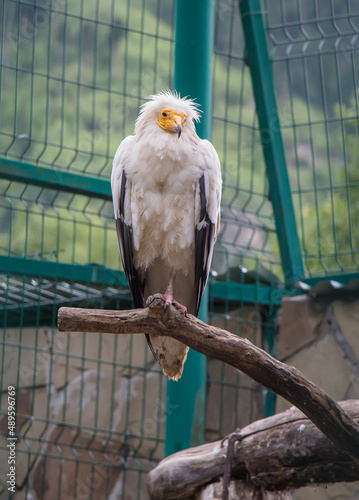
{"x": 171, "y": 301}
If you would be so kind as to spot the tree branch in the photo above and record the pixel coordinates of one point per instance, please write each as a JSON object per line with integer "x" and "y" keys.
{"x": 238, "y": 352}
{"x": 282, "y": 452}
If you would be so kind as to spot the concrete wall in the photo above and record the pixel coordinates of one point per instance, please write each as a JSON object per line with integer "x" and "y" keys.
{"x": 88, "y": 398}
{"x": 82, "y": 405}
{"x": 320, "y": 337}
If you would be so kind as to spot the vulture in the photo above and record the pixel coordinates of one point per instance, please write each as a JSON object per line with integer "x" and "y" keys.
{"x": 166, "y": 189}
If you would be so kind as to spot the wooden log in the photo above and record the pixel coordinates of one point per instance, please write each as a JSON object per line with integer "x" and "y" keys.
{"x": 238, "y": 352}
{"x": 278, "y": 453}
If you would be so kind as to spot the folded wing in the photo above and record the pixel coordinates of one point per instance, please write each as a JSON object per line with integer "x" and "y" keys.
{"x": 207, "y": 223}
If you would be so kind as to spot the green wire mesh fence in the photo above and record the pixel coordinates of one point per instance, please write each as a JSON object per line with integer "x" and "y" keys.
{"x": 91, "y": 409}
{"x": 248, "y": 233}
{"x": 314, "y": 49}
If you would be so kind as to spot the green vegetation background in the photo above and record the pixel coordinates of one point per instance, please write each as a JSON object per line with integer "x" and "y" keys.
{"x": 73, "y": 78}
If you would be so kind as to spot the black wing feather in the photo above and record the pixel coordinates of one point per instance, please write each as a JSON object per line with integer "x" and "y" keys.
{"x": 124, "y": 236}
{"x": 204, "y": 240}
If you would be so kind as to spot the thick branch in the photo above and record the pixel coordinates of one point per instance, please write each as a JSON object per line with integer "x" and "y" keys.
{"x": 282, "y": 452}
{"x": 285, "y": 380}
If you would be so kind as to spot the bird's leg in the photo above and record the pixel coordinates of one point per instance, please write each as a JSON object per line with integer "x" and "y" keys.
{"x": 170, "y": 300}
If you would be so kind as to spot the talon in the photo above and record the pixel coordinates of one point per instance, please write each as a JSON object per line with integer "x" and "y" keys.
{"x": 149, "y": 300}
{"x": 170, "y": 301}
{"x": 179, "y": 306}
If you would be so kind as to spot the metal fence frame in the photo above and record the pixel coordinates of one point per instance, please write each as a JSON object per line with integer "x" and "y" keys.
{"x": 193, "y": 69}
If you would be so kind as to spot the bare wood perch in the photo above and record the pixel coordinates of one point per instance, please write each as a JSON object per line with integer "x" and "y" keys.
{"x": 238, "y": 352}
{"x": 279, "y": 453}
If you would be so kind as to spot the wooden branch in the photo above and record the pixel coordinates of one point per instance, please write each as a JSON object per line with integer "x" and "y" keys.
{"x": 282, "y": 452}
{"x": 285, "y": 380}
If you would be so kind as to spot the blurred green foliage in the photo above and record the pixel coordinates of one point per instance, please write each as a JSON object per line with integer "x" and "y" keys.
{"x": 73, "y": 77}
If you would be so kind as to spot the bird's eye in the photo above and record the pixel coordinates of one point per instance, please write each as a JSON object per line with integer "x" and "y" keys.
{"x": 164, "y": 114}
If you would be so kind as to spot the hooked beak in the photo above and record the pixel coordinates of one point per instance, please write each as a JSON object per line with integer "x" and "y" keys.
{"x": 171, "y": 121}
{"x": 178, "y": 129}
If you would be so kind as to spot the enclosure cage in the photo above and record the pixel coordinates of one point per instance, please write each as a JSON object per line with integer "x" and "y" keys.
{"x": 91, "y": 411}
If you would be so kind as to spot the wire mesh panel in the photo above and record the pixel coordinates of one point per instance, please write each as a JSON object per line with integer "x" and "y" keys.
{"x": 314, "y": 49}
{"x": 248, "y": 233}
{"x": 74, "y": 76}
{"x": 91, "y": 408}
{"x": 247, "y": 250}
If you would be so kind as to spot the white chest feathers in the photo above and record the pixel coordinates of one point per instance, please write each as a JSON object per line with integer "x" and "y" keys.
{"x": 163, "y": 212}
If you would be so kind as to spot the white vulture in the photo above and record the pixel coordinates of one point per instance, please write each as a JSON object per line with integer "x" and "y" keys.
{"x": 166, "y": 189}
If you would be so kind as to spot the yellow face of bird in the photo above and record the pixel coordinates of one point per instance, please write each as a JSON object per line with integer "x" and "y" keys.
{"x": 171, "y": 121}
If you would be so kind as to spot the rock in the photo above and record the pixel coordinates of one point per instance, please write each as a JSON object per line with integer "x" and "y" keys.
{"x": 238, "y": 490}
{"x": 324, "y": 363}
{"x": 234, "y": 399}
{"x": 245, "y": 322}
{"x": 26, "y": 361}
{"x": 301, "y": 318}
{"x": 116, "y": 407}
{"x": 87, "y": 348}
{"x": 338, "y": 491}
{"x": 347, "y": 316}
{"x": 88, "y": 472}
{"x": 62, "y": 374}
{"x": 29, "y": 404}
{"x": 131, "y": 484}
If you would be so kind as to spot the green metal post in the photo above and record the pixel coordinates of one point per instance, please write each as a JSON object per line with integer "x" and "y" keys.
{"x": 186, "y": 399}
{"x": 269, "y": 332}
{"x": 263, "y": 88}
{"x": 60, "y": 180}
